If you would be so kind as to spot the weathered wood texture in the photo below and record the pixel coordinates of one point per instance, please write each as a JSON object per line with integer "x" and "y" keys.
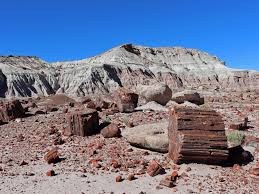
{"x": 10, "y": 110}
{"x": 83, "y": 123}
{"x": 196, "y": 135}
{"x": 126, "y": 100}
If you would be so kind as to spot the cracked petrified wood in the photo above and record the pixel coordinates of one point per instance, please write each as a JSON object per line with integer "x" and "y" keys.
{"x": 10, "y": 110}
{"x": 196, "y": 135}
{"x": 82, "y": 123}
{"x": 126, "y": 100}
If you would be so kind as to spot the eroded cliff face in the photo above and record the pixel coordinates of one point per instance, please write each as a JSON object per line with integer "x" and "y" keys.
{"x": 127, "y": 66}
{"x": 3, "y": 84}
{"x": 27, "y": 76}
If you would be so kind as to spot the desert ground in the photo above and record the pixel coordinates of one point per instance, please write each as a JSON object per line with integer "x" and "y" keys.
{"x": 95, "y": 164}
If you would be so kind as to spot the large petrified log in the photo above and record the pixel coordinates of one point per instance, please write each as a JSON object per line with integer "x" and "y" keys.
{"x": 82, "y": 123}
{"x": 196, "y": 135}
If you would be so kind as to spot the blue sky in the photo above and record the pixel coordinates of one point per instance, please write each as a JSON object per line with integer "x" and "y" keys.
{"x": 58, "y": 30}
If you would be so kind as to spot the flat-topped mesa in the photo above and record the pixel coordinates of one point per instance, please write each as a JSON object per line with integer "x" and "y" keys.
{"x": 123, "y": 66}
{"x": 197, "y": 135}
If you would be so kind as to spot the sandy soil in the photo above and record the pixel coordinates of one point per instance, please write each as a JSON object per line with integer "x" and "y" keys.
{"x": 29, "y": 140}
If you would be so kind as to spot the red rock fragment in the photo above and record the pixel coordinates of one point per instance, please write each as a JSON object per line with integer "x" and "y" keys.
{"x": 154, "y": 168}
{"x": 95, "y": 163}
{"x": 90, "y": 104}
{"x": 167, "y": 183}
{"x": 236, "y": 167}
{"x": 52, "y": 156}
{"x": 115, "y": 164}
{"x": 83, "y": 170}
{"x": 131, "y": 177}
{"x": 118, "y": 179}
{"x": 50, "y": 173}
{"x": 174, "y": 175}
{"x": 112, "y": 130}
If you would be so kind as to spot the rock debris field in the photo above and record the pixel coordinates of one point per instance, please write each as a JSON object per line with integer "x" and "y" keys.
{"x": 197, "y": 142}
{"x": 133, "y": 119}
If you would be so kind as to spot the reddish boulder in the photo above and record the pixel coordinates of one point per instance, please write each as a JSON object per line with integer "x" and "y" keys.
{"x": 90, "y": 104}
{"x": 174, "y": 175}
{"x": 154, "y": 168}
{"x": 29, "y": 105}
{"x": 85, "y": 100}
{"x": 126, "y": 100}
{"x": 118, "y": 179}
{"x": 52, "y": 156}
{"x": 115, "y": 164}
{"x": 95, "y": 163}
{"x": 10, "y": 110}
{"x": 167, "y": 183}
{"x": 50, "y": 173}
{"x": 111, "y": 130}
{"x": 82, "y": 123}
{"x": 131, "y": 177}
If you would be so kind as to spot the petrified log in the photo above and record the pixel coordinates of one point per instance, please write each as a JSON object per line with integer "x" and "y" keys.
{"x": 82, "y": 123}
{"x": 126, "y": 100}
{"x": 196, "y": 135}
{"x": 10, "y": 110}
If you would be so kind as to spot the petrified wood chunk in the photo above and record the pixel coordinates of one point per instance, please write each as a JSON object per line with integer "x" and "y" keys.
{"x": 10, "y": 110}
{"x": 196, "y": 135}
{"x": 126, "y": 100}
{"x": 82, "y": 123}
{"x": 52, "y": 156}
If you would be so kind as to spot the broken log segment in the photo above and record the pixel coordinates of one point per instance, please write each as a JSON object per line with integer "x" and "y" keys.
{"x": 84, "y": 123}
{"x": 196, "y": 135}
{"x": 10, "y": 110}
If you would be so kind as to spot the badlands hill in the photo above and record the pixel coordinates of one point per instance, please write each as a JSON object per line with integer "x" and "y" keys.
{"x": 127, "y": 65}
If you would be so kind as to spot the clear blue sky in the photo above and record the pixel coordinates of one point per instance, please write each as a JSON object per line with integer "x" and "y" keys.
{"x": 74, "y": 29}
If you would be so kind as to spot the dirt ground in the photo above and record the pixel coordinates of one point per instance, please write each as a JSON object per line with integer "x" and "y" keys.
{"x": 24, "y": 142}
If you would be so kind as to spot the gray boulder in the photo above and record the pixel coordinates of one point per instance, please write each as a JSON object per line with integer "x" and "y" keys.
{"x": 188, "y": 95}
{"x": 153, "y": 106}
{"x": 149, "y": 136}
{"x": 158, "y": 92}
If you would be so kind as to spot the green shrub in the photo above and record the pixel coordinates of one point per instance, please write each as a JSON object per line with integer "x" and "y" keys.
{"x": 235, "y": 138}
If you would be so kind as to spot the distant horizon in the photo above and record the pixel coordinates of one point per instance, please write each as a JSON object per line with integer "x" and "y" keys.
{"x": 74, "y": 30}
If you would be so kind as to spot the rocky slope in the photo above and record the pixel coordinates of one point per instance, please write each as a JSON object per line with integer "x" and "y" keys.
{"x": 26, "y": 76}
{"x": 126, "y": 65}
